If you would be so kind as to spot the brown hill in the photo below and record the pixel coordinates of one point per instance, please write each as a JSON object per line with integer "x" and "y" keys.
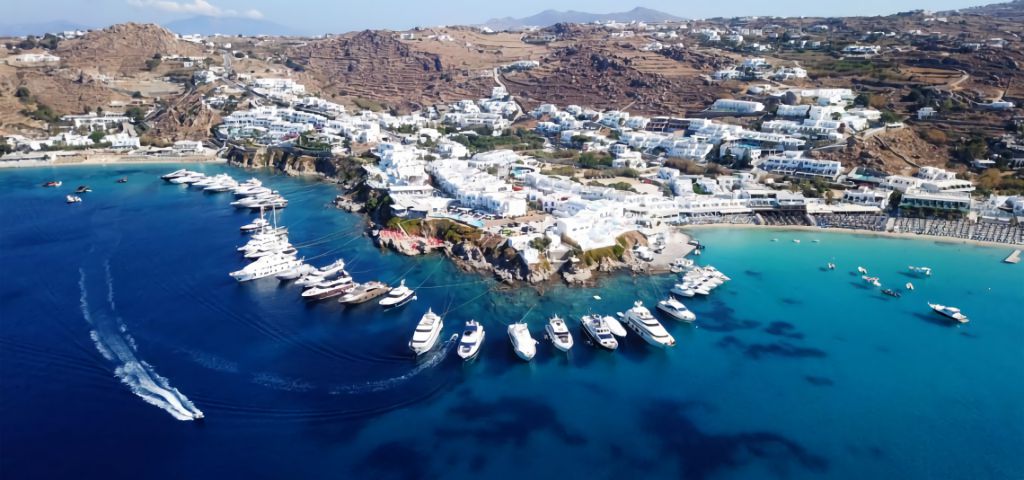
{"x": 374, "y": 65}
{"x": 123, "y": 48}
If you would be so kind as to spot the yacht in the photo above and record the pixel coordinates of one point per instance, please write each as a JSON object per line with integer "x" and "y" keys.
{"x": 285, "y": 249}
{"x": 329, "y": 288}
{"x": 472, "y": 337}
{"x": 597, "y": 328}
{"x": 73, "y": 199}
{"x": 296, "y": 273}
{"x": 206, "y": 182}
{"x": 365, "y": 292}
{"x": 559, "y": 334}
{"x": 640, "y": 320}
{"x": 675, "y": 309}
{"x": 922, "y": 271}
{"x": 175, "y": 174}
{"x": 188, "y": 179}
{"x": 949, "y": 312}
{"x": 265, "y": 267}
{"x": 83, "y": 189}
{"x": 680, "y": 265}
{"x": 332, "y": 269}
{"x": 398, "y": 296}
{"x": 276, "y": 202}
{"x": 615, "y": 326}
{"x": 255, "y": 225}
{"x": 249, "y": 187}
{"x": 871, "y": 280}
{"x": 122, "y": 180}
{"x": 309, "y": 280}
{"x": 428, "y": 330}
{"x": 892, "y": 293}
{"x": 524, "y": 344}
{"x": 683, "y": 290}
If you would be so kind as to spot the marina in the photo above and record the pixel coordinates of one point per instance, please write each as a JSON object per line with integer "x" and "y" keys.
{"x": 256, "y": 353}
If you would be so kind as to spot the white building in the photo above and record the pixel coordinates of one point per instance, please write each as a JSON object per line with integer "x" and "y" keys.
{"x": 737, "y": 106}
{"x": 867, "y": 196}
{"x": 791, "y": 163}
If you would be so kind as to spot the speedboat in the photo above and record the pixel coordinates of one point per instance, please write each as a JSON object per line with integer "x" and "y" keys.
{"x": 53, "y": 184}
{"x": 472, "y": 338}
{"x": 892, "y": 293}
{"x": 680, "y": 265}
{"x": 365, "y": 292}
{"x": 524, "y": 344}
{"x": 83, "y": 189}
{"x": 675, "y": 309}
{"x": 296, "y": 273}
{"x": 265, "y": 267}
{"x": 398, "y": 296}
{"x": 428, "y": 330}
{"x": 73, "y": 199}
{"x": 329, "y": 289}
{"x": 615, "y": 326}
{"x": 922, "y": 271}
{"x": 559, "y": 334}
{"x": 862, "y": 270}
{"x": 640, "y": 320}
{"x": 909, "y": 286}
{"x": 949, "y": 312}
{"x": 871, "y": 280}
{"x": 597, "y": 328}
{"x": 122, "y": 180}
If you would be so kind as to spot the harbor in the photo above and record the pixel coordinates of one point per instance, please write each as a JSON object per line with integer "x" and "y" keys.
{"x": 264, "y": 364}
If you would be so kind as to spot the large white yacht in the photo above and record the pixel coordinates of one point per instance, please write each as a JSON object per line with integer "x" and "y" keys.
{"x": 175, "y": 174}
{"x": 596, "y": 327}
{"x": 559, "y": 334}
{"x": 329, "y": 288}
{"x": 398, "y": 296}
{"x": 952, "y": 313}
{"x": 296, "y": 273}
{"x": 522, "y": 342}
{"x": 265, "y": 267}
{"x": 675, "y": 309}
{"x": 640, "y": 320}
{"x": 428, "y": 330}
{"x": 472, "y": 338}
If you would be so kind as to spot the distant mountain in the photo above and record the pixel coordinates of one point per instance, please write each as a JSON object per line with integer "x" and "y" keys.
{"x": 1009, "y": 10}
{"x": 38, "y": 29}
{"x": 229, "y": 26}
{"x": 551, "y": 17}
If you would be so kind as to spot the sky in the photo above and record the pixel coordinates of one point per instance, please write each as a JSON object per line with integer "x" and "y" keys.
{"x": 336, "y": 16}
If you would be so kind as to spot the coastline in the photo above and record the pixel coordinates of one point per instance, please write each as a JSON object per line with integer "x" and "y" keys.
{"x": 852, "y": 231}
{"x": 99, "y": 160}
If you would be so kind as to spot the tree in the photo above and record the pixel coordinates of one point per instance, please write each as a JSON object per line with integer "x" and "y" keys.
{"x": 137, "y": 94}
{"x": 889, "y": 116}
{"x": 97, "y": 136}
{"x": 23, "y": 94}
{"x": 152, "y": 63}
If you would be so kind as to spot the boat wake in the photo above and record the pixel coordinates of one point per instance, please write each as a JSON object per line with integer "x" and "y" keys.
{"x": 111, "y": 337}
{"x": 430, "y": 360}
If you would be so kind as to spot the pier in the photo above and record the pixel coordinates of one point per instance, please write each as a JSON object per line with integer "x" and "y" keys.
{"x": 1013, "y": 258}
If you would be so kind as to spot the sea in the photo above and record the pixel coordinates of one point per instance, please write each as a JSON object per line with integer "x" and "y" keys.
{"x": 118, "y": 320}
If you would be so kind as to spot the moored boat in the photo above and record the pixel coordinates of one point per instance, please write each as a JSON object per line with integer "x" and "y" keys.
{"x": 640, "y": 320}
{"x": 952, "y": 313}
{"x": 615, "y": 326}
{"x": 676, "y": 309}
{"x": 597, "y": 328}
{"x": 428, "y": 330}
{"x": 471, "y": 340}
{"x": 558, "y": 333}
{"x": 73, "y": 199}
{"x": 365, "y": 292}
{"x": 522, "y": 342}
{"x": 398, "y": 296}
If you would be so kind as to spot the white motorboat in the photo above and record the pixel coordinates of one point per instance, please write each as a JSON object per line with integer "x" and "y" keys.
{"x": 615, "y": 326}
{"x": 921, "y": 271}
{"x": 175, "y": 174}
{"x": 680, "y": 265}
{"x": 676, "y": 309}
{"x": 683, "y": 290}
{"x": 597, "y": 328}
{"x": 309, "y": 280}
{"x": 188, "y": 178}
{"x": 333, "y": 268}
{"x": 398, "y": 296}
{"x": 640, "y": 320}
{"x": 428, "y": 330}
{"x": 255, "y": 225}
{"x": 329, "y": 289}
{"x": 73, "y": 199}
{"x": 909, "y": 286}
{"x": 522, "y": 342}
{"x": 952, "y": 313}
{"x": 296, "y": 273}
{"x": 471, "y": 340}
{"x": 559, "y": 334}
{"x": 249, "y": 187}
{"x": 280, "y": 250}
{"x": 265, "y": 267}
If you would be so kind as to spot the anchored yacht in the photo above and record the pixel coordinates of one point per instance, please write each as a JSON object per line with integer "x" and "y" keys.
{"x": 949, "y": 312}
{"x": 428, "y": 330}
{"x": 675, "y": 309}
{"x": 329, "y": 288}
{"x": 615, "y": 326}
{"x": 398, "y": 296}
{"x": 296, "y": 273}
{"x": 265, "y": 267}
{"x": 472, "y": 338}
{"x": 559, "y": 334}
{"x": 365, "y": 292}
{"x": 597, "y": 328}
{"x": 640, "y": 320}
{"x": 524, "y": 344}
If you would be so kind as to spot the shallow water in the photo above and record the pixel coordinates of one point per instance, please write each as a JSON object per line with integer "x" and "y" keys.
{"x": 790, "y": 371}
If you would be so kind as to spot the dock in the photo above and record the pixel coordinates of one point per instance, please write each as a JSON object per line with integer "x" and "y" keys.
{"x": 1013, "y": 258}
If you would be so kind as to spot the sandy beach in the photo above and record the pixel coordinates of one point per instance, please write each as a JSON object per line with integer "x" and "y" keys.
{"x": 109, "y": 159}
{"x": 903, "y": 235}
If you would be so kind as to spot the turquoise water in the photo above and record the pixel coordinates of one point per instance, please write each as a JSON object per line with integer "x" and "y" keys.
{"x": 790, "y": 371}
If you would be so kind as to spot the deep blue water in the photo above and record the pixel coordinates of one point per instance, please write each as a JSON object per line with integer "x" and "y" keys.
{"x": 789, "y": 372}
